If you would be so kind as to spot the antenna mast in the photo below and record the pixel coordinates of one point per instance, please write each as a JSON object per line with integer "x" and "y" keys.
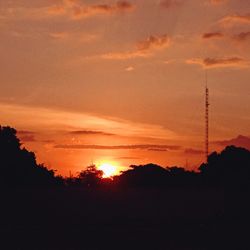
{"x": 206, "y": 121}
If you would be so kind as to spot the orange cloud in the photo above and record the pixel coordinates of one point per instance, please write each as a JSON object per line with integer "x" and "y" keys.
{"x": 193, "y": 151}
{"x": 27, "y": 138}
{"x": 130, "y": 68}
{"x": 72, "y": 9}
{"x": 212, "y": 35}
{"x": 236, "y": 62}
{"x": 216, "y": 2}
{"x": 240, "y": 141}
{"x": 56, "y": 10}
{"x": 243, "y": 36}
{"x": 233, "y": 19}
{"x": 144, "y": 48}
{"x": 77, "y": 10}
{"x": 119, "y": 147}
{"x": 127, "y": 158}
{"x": 170, "y": 3}
{"x": 58, "y": 120}
{"x": 154, "y": 42}
{"x": 59, "y": 35}
{"x": 25, "y": 132}
{"x": 90, "y": 132}
{"x": 240, "y": 37}
{"x": 73, "y": 37}
{"x": 125, "y": 55}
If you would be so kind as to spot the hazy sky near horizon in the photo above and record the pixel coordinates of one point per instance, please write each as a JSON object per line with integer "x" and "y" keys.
{"x": 123, "y": 81}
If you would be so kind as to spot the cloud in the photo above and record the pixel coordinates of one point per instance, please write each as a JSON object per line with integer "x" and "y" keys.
{"x": 90, "y": 132}
{"x": 144, "y": 48}
{"x": 26, "y": 135}
{"x": 240, "y": 37}
{"x": 212, "y": 35}
{"x": 158, "y": 149}
{"x": 217, "y": 2}
{"x": 58, "y": 120}
{"x": 235, "y": 62}
{"x": 59, "y": 35}
{"x": 168, "y": 61}
{"x": 119, "y": 147}
{"x": 18, "y": 12}
{"x": 25, "y": 132}
{"x": 193, "y": 151}
{"x": 77, "y": 10}
{"x": 125, "y": 55}
{"x": 73, "y": 37}
{"x": 170, "y": 3}
{"x": 56, "y": 10}
{"x": 127, "y": 158}
{"x": 243, "y": 36}
{"x": 72, "y": 9}
{"x": 240, "y": 141}
{"x": 48, "y": 141}
{"x": 129, "y": 68}
{"x": 235, "y": 18}
{"x": 27, "y": 138}
{"x": 153, "y": 42}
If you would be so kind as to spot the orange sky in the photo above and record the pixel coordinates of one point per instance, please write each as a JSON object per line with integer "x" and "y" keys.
{"x": 123, "y": 81}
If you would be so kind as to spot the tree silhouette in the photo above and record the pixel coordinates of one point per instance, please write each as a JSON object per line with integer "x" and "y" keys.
{"x": 152, "y": 175}
{"x": 230, "y": 167}
{"x": 143, "y": 175}
{"x": 18, "y": 165}
{"x": 90, "y": 177}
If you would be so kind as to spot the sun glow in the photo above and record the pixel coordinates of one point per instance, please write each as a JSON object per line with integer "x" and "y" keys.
{"x": 108, "y": 169}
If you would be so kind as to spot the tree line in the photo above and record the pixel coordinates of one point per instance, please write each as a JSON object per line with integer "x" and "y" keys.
{"x": 229, "y": 168}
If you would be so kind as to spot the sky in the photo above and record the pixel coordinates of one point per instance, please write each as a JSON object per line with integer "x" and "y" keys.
{"x": 123, "y": 82}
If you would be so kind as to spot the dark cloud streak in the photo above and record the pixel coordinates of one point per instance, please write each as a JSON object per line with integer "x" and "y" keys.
{"x": 193, "y": 151}
{"x": 28, "y": 138}
{"x": 77, "y": 10}
{"x": 243, "y": 36}
{"x": 158, "y": 149}
{"x": 144, "y": 48}
{"x": 90, "y": 132}
{"x": 127, "y": 158}
{"x": 240, "y": 141}
{"x": 236, "y": 62}
{"x": 120, "y": 147}
{"x": 212, "y": 35}
{"x": 25, "y": 132}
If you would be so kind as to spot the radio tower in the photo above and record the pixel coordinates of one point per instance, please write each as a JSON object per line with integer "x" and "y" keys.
{"x": 206, "y": 121}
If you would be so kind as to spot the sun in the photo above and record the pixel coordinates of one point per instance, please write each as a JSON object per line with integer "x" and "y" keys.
{"x": 108, "y": 169}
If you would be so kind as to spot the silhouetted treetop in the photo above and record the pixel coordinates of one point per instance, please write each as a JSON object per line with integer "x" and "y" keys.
{"x": 154, "y": 175}
{"x": 18, "y": 166}
{"x": 91, "y": 176}
{"x": 230, "y": 166}
{"x": 8, "y": 140}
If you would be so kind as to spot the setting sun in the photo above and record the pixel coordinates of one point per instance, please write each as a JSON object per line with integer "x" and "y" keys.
{"x": 108, "y": 169}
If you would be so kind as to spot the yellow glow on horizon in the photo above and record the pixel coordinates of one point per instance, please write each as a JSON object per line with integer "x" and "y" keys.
{"x": 108, "y": 169}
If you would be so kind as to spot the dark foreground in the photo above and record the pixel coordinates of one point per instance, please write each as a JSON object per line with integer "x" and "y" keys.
{"x": 174, "y": 219}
